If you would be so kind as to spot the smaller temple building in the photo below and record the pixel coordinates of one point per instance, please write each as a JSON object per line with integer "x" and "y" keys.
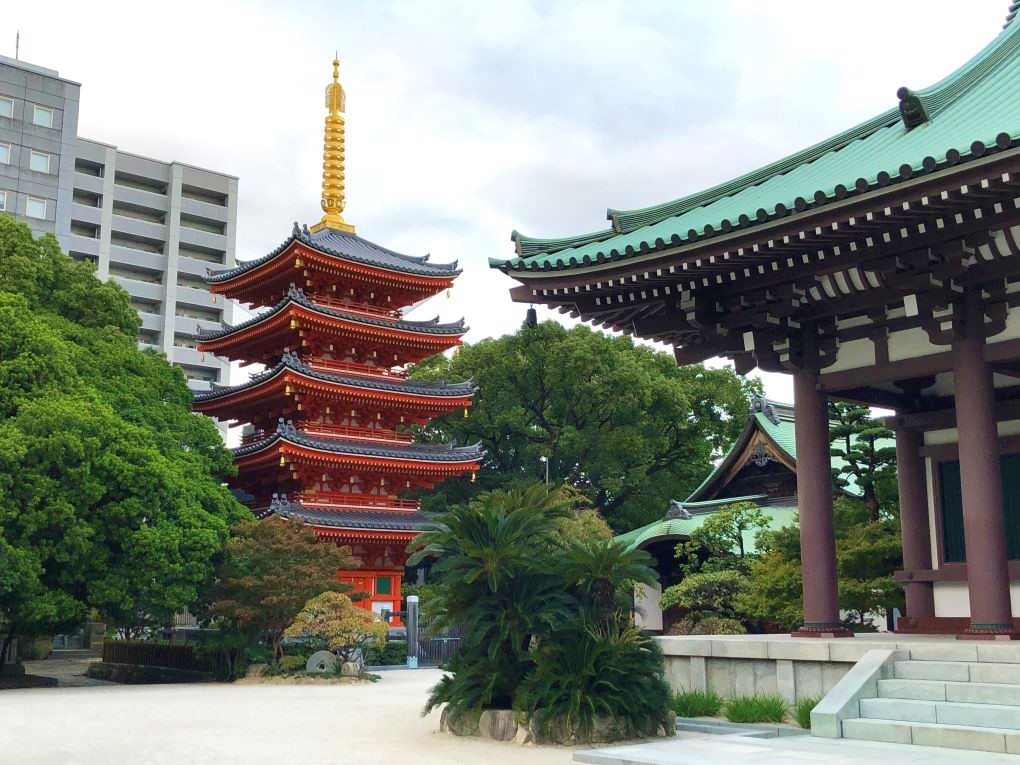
{"x": 760, "y": 467}
{"x": 327, "y": 439}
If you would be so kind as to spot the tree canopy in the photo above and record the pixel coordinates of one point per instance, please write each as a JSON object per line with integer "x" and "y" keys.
{"x": 111, "y": 493}
{"x": 620, "y": 422}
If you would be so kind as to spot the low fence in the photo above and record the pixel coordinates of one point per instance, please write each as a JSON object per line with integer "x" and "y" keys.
{"x": 436, "y": 647}
{"x": 146, "y": 653}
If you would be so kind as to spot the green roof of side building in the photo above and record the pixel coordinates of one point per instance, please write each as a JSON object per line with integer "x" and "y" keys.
{"x": 776, "y": 423}
{"x": 971, "y": 112}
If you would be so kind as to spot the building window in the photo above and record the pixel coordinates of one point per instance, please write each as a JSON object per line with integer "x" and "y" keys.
{"x": 5, "y": 154}
{"x": 35, "y": 207}
{"x": 39, "y": 161}
{"x": 953, "y": 539}
{"x": 42, "y": 116}
{"x": 6, "y": 107}
{"x": 382, "y": 585}
{"x": 3, "y": 201}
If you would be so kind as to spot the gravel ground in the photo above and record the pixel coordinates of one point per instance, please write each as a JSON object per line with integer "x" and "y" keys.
{"x": 367, "y": 724}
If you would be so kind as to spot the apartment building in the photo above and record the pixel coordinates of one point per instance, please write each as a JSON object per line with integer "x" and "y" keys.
{"x": 153, "y": 226}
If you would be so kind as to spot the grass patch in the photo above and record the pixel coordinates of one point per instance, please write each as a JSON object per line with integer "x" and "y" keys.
{"x": 697, "y": 703}
{"x": 802, "y": 711}
{"x": 751, "y": 709}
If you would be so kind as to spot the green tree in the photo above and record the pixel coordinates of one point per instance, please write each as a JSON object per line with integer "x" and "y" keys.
{"x": 865, "y": 456}
{"x": 271, "y": 570}
{"x": 111, "y": 493}
{"x": 726, "y": 540}
{"x": 345, "y": 628}
{"x": 620, "y": 422}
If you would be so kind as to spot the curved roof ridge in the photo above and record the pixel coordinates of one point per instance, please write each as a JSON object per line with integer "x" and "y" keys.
{"x": 437, "y": 452}
{"x": 531, "y": 245}
{"x": 296, "y": 295}
{"x": 935, "y": 97}
{"x": 290, "y": 361}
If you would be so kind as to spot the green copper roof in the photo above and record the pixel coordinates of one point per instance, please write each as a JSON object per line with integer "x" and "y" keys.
{"x": 778, "y": 517}
{"x": 974, "y": 111}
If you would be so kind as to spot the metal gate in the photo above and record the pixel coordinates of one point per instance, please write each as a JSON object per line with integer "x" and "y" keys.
{"x": 436, "y": 646}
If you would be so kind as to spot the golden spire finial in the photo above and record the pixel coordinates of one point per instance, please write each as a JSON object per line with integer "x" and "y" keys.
{"x": 333, "y": 158}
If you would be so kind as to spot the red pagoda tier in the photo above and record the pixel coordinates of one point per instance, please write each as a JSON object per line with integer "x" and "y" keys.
{"x": 326, "y": 439}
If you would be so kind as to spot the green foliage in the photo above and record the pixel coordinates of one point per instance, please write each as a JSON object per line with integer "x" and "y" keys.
{"x": 697, "y": 703}
{"x": 387, "y": 654}
{"x": 426, "y": 599}
{"x": 334, "y": 619}
{"x": 725, "y": 540}
{"x": 713, "y": 592}
{"x": 868, "y": 466}
{"x": 546, "y": 625}
{"x": 767, "y": 707}
{"x": 710, "y": 625}
{"x": 111, "y": 493}
{"x": 587, "y": 672}
{"x": 270, "y": 571}
{"x": 619, "y": 422}
{"x": 802, "y": 711}
{"x": 292, "y": 663}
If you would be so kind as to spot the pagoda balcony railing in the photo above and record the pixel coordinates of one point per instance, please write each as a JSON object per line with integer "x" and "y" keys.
{"x": 339, "y": 501}
{"x": 354, "y": 306}
{"x": 354, "y": 368}
{"x": 339, "y": 431}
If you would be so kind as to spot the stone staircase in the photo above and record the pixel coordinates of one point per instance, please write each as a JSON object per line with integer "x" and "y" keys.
{"x": 962, "y": 696}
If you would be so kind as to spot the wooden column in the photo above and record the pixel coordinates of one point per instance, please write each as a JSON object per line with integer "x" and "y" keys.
{"x": 991, "y": 614}
{"x": 814, "y": 500}
{"x": 914, "y": 524}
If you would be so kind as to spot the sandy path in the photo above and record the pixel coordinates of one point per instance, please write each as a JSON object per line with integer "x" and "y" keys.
{"x": 366, "y": 724}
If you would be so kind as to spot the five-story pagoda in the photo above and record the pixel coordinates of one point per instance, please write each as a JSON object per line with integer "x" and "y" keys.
{"x": 328, "y": 443}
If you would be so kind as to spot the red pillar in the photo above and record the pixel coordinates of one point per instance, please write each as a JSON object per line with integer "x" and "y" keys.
{"x": 991, "y": 614}
{"x": 814, "y": 500}
{"x": 914, "y": 521}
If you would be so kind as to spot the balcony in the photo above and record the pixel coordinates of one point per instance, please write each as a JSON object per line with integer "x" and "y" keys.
{"x": 353, "y": 306}
{"x": 338, "y": 501}
{"x": 353, "y": 368}
{"x": 379, "y": 435}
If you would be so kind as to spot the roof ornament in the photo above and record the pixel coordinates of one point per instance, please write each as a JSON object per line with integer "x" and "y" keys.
{"x": 333, "y": 159}
{"x": 912, "y": 111}
{"x": 296, "y": 231}
{"x": 677, "y": 512}
{"x": 761, "y": 405}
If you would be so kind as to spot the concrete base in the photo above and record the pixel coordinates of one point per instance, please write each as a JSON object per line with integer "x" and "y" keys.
{"x": 796, "y": 668}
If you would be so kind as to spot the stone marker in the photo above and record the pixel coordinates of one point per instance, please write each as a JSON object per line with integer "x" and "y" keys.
{"x": 321, "y": 662}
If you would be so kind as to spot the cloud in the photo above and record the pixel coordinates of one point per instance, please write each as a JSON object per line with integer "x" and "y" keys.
{"x": 467, "y": 120}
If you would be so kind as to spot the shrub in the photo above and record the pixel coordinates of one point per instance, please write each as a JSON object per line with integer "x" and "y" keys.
{"x": 802, "y": 711}
{"x": 697, "y": 703}
{"x": 712, "y": 625}
{"x": 583, "y": 674}
{"x": 386, "y": 654}
{"x": 343, "y": 626}
{"x": 713, "y": 591}
{"x": 768, "y": 707}
{"x": 293, "y": 663}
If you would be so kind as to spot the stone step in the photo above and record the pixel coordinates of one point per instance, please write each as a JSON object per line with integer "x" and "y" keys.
{"x": 988, "y": 651}
{"x": 943, "y": 712}
{"x": 1006, "y": 694}
{"x": 928, "y": 734}
{"x": 958, "y": 671}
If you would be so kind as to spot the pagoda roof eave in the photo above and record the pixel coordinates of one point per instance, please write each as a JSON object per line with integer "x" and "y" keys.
{"x": 297, "y": 297}
{"x": 971, "y": 113}
{"x": 290, "y": 362}
{"x": 411, "y": 521}
{"x": 344, "y": 247}
{"x": 445, "y": 454}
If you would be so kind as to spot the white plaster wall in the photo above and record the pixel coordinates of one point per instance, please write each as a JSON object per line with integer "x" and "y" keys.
{"x": 911, "y": 343}
{"x": 649, "y": 611}
{"x": 853, "y": 354}
{"x": 950, "y": 436}
{"x": 952, "y": 599}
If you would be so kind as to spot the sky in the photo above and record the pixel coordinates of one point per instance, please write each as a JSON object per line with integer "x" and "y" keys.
{"x": 467, "y": 120}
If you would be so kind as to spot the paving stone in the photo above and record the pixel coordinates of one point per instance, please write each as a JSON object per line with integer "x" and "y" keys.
{"x": 809, "y": 649}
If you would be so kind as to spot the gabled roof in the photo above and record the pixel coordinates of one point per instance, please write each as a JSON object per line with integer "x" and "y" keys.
{"x": 380, "y": 520}
{"x": 439, "y": 388}
{"x": 297, "y": 296}
{"x": 286, "y": 431}
{"x": 680, "y": 529}
{"x": 345, "y": 247}
{"x": 972, "y": 112}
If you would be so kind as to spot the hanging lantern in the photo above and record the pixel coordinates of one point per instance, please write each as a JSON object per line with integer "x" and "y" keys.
{"x": 465, "y": 412}
{"x": 472, "y": 476}
{"x": 407, "y": 484}
{"x": 283, "y": 460}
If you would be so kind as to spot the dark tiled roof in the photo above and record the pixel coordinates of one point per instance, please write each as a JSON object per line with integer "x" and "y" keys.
{"x": 383, "y": 520}
{"x": 286, "y": 431}
{"x": 347, "y": 247}
{"x": 295, "y": 295}
{"x": 290, "y": 361}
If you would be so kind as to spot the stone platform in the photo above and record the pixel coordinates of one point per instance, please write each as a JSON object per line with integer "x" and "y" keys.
{"x": 796, "y": 668}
